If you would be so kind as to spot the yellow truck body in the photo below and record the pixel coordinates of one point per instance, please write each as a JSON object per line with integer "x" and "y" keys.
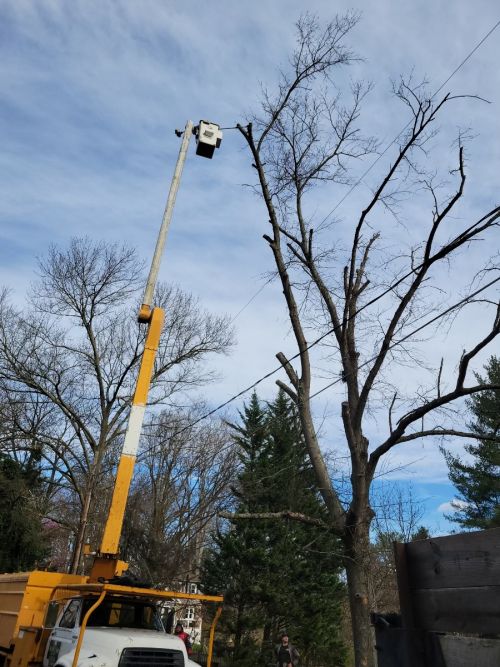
{"x": 24, "y": 597}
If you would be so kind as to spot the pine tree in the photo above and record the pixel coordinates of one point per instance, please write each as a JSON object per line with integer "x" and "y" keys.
{"x": 22, "y": 543}
{"x": 478, "y": 482}
{"x": 233, "y": 562}
{"x": 277, "y": 574}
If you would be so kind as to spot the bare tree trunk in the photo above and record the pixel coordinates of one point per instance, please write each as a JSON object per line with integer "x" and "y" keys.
{"x": 87, "y": 501}
{"x": 357, "y": 546}
{"x": 238, "y": 631}
{"x": 82, "y": 528}
{"x": 299, "y": 140}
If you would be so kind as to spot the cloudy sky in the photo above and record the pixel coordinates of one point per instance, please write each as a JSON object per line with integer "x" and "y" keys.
{"x": 92, "y": 91}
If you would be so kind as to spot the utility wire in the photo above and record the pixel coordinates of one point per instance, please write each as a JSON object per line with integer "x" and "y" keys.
{"x": 415, "y": 331}
{"x": 367, "y": 171}
{"x": 338, "y": 380}
{"x": 257, "y": 382}
{"x": 389, "y": 289}
{"x": 491, "y": 214}
{"x": 261, "y": 288}
{"x": 467, "y": 57}
{"x": 148, "y": 450}
{"x": 274, "y": 371}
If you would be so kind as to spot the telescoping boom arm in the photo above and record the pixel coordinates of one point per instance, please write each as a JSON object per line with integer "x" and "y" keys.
{"x": 106, "y": 563}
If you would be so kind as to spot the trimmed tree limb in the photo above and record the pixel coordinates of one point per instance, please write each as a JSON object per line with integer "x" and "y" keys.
{"x": 288, "y": 391}
{"x": 285, "y": 514}
{"x": 443, "y": 432}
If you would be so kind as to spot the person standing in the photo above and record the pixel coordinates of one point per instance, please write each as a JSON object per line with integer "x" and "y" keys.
{"x": 286, "y": 654}
{"x": 179, "y": 632}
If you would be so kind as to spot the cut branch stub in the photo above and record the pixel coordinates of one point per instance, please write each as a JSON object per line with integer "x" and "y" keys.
{"x": 292, "y": 375}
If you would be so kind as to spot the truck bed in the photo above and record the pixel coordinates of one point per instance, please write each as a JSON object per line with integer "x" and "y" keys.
{"x": 23, "y": 599}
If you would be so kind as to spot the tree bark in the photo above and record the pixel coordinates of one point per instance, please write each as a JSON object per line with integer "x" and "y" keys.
{"x": 82, "y": 528}
{"x": 291, "y": 152}
{"x": 238, "y": 631}
{"x": 357, "y": 545}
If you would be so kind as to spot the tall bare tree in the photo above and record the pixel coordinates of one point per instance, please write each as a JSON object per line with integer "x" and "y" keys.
{"x": 305, "y": 136}
{"x": 68, "y": 362}
{"x": 185, "y": 471}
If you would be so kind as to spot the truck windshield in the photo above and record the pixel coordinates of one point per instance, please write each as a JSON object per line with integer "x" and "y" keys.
{"x": 123, "y": 613}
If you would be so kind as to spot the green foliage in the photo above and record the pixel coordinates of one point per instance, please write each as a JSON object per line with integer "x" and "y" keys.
{"x": 422, "y": 533}
{"x": 276, "y": 573}
{"x": 478, "y": 482}
{"x": 22, "y": 541}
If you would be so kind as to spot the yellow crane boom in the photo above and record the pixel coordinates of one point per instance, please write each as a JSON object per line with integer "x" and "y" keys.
{"x": 106, "y": 563}
{"x": 26, "y": 598}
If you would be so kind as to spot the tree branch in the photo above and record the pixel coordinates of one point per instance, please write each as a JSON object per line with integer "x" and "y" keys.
{"x": 445, "y": 432}
{"x": 285, "y": 514}
{"x": 288, "y": 391}
{"x": 419, "y": 413}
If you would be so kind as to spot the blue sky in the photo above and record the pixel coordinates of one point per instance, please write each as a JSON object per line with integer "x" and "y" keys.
{"x": 93, "y": 90}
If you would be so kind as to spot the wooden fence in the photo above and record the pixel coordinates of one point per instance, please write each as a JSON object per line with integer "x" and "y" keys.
{"x": 449, "y": 590}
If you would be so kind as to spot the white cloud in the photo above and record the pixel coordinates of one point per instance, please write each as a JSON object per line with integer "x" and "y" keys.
{"x": 452, "y": 506}
{"x": 93, "y": 90}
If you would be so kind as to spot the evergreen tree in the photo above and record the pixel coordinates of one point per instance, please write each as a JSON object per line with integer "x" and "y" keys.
{"x": 276, "y": 574}
{"x": 22, "y": 543}
{"x": 478, "y": 482}
{"x": 233, "y": 563}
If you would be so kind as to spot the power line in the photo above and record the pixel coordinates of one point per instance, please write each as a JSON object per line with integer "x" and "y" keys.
{"x": 415, "y": 331}
{"x": 389, "y": 289}
{"x": 470, "y": 54}
{"x": 338, "y": 380}
{"x": 367, "y": 171}
{"x": 492, "y": 215}
{"x": 462, "y": 63}
{"x": 274, "y": 371}
{"x": 380, "y": 296}
{"x": 261, "y": 288}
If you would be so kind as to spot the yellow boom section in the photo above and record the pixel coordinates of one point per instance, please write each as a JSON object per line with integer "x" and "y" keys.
{"x": 106, "y": 563}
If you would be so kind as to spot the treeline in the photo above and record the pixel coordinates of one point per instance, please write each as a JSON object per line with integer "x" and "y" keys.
{"x": 68, "y": 361}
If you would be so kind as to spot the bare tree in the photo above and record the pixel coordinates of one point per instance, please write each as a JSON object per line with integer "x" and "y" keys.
{"x": 185, "y": 473}
{"x": 398, "y": 519}
{"x": 303, "y": 137}
{"x": 68, "y": 361}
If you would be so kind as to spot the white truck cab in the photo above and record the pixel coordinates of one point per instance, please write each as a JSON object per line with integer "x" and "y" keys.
{"x": 120, "y": 632}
